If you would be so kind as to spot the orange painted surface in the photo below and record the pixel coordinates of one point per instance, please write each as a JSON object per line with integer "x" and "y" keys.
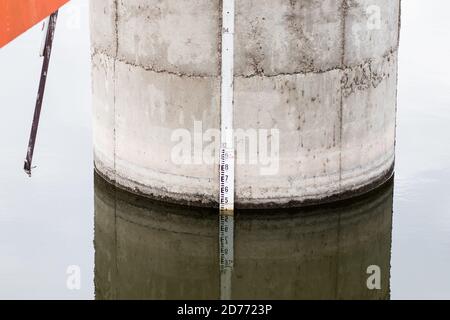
{"x": 17, "y": 16}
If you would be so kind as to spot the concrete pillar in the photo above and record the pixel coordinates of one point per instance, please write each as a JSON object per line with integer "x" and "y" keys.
{"x": 320, "y": 76}
{"x": 145, "y": 250}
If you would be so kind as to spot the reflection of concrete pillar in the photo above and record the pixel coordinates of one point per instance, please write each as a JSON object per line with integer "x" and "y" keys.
{"x": 146, "y": 250}
{"x": 322, "y": 72}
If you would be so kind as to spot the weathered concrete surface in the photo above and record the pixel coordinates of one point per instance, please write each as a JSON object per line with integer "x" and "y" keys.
{"x": 276, "y": 37}
{"x": 318, "y": 71}
{"x": 144, "y": 250}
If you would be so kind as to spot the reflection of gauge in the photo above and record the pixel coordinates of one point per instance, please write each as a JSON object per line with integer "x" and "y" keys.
{"x": 226, "y": 254}
{"x": 150, "y": 250}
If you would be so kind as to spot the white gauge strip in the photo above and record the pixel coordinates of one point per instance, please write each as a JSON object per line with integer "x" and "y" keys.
{"x": 227, "y": 159}
{"x": 226, "y": 125}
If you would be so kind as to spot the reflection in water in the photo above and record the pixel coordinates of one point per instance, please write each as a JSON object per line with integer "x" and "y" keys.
{"x": 226, "y": 254}
{"x": 146, "y": 250}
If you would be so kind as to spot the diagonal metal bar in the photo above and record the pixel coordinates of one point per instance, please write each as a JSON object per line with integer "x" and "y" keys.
{"x": 37, "y": 111}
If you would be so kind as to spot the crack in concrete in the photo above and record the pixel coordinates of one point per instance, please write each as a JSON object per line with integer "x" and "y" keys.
{"x": 97, "y": 51}
{"x": 387, "y": 55}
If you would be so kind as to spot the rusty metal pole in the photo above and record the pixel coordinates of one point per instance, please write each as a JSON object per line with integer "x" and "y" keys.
{"x": 37, "y": 111}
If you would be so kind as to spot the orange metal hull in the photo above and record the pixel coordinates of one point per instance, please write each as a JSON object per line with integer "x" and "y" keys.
{"x": 17, "y": 16}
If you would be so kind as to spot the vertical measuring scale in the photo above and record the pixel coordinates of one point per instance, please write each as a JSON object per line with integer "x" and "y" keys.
{"x": 226, "y": 165}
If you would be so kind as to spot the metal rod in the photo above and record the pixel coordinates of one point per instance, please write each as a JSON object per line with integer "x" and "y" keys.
{"x": 37, "y": 111}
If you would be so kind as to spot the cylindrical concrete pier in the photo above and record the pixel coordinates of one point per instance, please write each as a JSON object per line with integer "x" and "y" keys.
{"x": 315, "y": 97}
